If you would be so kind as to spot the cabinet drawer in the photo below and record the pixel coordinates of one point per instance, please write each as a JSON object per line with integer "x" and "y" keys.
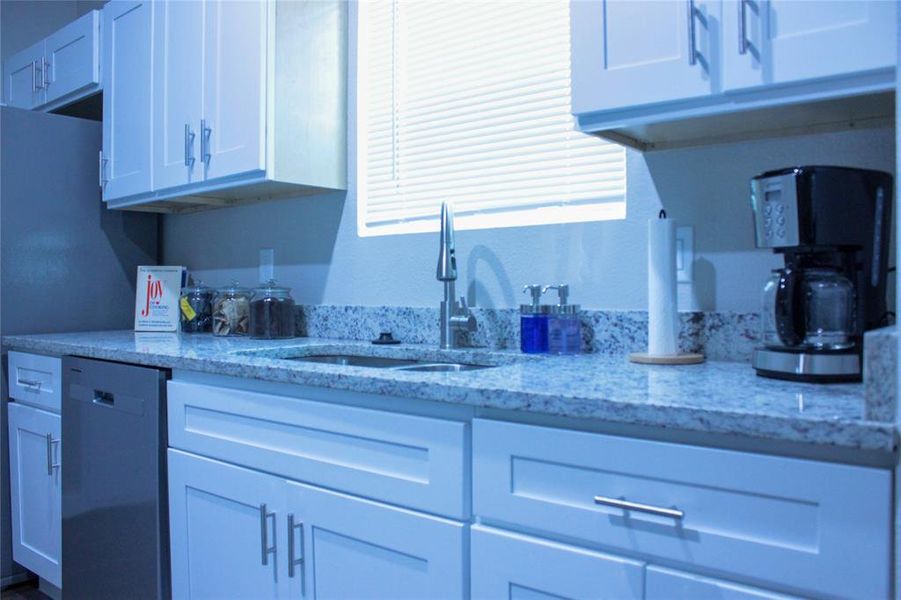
{"x": 509, "y": 565}
{"x": 401, "y": 459}
{"x": 35, "y": 379}
{"x": 780, "y": 520}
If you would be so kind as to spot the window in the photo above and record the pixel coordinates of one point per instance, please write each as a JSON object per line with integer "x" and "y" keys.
{"x": 470, "y": 102}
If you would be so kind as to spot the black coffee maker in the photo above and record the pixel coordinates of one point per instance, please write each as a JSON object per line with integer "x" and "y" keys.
{"x": 832, "y": 225}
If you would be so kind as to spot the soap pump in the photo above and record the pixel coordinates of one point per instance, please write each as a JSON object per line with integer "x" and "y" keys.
{"x": 533, "y": 323}
{"x": 564, "y": 328}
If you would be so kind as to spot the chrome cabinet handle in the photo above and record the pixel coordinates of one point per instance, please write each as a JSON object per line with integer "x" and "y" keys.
{"x": 45, "y": 72}
{"x": 265, "y": 548}
{"x": 672, "y": 513}
{"x": 34, "y": 76}
{"x": 692, "y": 50}
{"x": 189, "y": 146}
{"x": 50, "y": 464}
{"x": 293, "y": 562}
{"x": 205, "y": 134}
{"x": 103, "y": 164}
{"x": 742, "y": 27}
{"x": 30, "y": 383}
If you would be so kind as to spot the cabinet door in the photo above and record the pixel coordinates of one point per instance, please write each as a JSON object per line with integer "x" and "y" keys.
{"x": 627, "y": 54}
{"x": 223, "y": 530}
{"x": 127, "y": 117}
{"x": 178, "y": 85}
{"x": 23, "y": 74}
{"x": 668, "y": 584}
{"x": 34, "y": 453}
{"x": 509, "y": 565}
{"x": 234, "y": 93}
{"x": 774, "y": 42}
{"x": 73, "y": 57}
{"x": 347, "y": 547}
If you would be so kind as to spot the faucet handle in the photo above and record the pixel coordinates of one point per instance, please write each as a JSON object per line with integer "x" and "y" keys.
{"x": 562, "y": 291}
{"x": 463, "y": 306}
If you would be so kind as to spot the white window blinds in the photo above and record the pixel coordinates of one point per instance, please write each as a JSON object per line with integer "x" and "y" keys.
{"x": 470, "y": 102}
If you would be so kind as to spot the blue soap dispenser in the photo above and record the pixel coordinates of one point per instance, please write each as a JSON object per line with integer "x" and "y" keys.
{"x": 564, "y": 327}
{"x": 533, "y": 323}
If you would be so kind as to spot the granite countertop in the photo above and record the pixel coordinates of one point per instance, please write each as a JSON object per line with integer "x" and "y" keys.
{"x": 713, "y": 397}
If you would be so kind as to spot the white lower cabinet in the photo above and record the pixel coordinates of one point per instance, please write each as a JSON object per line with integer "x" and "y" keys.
{"x": 239, "y": 533}
{"x": 224, "y": 542}
{"x": 279, "y": 491}
{"x": 667, "y": 584}
{"x": 348, "y": 547}
{"x": 34, "y": 454}
{"x": 509, "y": 565}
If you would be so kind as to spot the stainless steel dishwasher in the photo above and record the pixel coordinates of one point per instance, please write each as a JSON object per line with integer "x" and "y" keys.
{"x": 114, "y": 495}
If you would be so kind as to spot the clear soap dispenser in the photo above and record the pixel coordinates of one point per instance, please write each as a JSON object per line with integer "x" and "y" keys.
{"x": 564, "y": 328}
{"x": 533, "y": 323}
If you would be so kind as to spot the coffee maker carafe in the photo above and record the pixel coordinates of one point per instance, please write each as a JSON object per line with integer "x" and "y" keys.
{"x": 831, "y": 224}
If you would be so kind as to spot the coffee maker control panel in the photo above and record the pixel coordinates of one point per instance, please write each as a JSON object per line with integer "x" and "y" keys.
{"x": 775, "y": 204}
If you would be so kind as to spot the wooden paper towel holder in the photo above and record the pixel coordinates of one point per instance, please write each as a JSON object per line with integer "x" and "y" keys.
{"x": 687, "y": 358}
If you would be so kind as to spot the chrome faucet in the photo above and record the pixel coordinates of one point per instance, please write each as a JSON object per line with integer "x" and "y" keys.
{"x": 455, "y": 316}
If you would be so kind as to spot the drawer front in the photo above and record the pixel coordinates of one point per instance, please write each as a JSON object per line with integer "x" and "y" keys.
{"x": 519, "y": 567}
{"x": 35, "y": 379}
{"x": 787, "y": 521}
{"x": 667, "y": 584}
{"x": 401, "y": 459}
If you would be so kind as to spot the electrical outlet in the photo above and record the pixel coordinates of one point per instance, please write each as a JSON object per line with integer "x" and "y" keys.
{"x": 685, "y": 254}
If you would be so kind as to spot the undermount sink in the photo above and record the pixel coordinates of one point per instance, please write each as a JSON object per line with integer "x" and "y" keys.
{"x": 397, "y": 364}
{"x": 350, "y": 360}
{"x": 443, "y": 367}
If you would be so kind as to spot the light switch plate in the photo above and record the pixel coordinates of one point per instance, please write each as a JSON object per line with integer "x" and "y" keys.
{"x": 685, "y": 254}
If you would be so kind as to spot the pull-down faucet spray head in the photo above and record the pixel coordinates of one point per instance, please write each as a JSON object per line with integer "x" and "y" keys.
{"x": 447, "y": 261}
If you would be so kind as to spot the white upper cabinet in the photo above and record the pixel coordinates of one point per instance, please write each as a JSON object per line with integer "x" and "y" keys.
{"x": 23, "y": 74}
{"x": 178, "y": 89}
{"x": 628, "y": 53}
{"x": 57, "y": 70}
{"x": 780, "y": 42}
{"x": 125, "y": 161}
{"x": 73, "y": 58}
{"x": 234, "y": 94}
{"x": 664, "y": 74}
{"x": 249, "y": 101}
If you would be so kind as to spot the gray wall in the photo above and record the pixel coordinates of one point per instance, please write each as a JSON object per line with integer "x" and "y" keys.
{"x": 319, "y": 254}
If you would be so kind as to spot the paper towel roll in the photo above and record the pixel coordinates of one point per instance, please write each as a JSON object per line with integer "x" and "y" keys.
{"x": 663, "y": 319}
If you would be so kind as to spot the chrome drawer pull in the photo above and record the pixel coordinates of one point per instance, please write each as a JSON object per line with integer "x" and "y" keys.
{"x": 672, "y": 513}
{"x": 30, "y": 383}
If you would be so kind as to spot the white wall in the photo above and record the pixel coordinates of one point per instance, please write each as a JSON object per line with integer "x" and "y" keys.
{"x": 319, "y": 254}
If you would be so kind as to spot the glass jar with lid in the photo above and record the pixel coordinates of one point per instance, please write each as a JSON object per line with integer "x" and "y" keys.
{"x": 231, "y": 310}
{"x": 271, "y": 312}
{"x": 196, "y": 308}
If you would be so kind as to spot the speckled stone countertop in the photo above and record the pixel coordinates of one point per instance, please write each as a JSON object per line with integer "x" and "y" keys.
{"x": 714, "y": 397}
